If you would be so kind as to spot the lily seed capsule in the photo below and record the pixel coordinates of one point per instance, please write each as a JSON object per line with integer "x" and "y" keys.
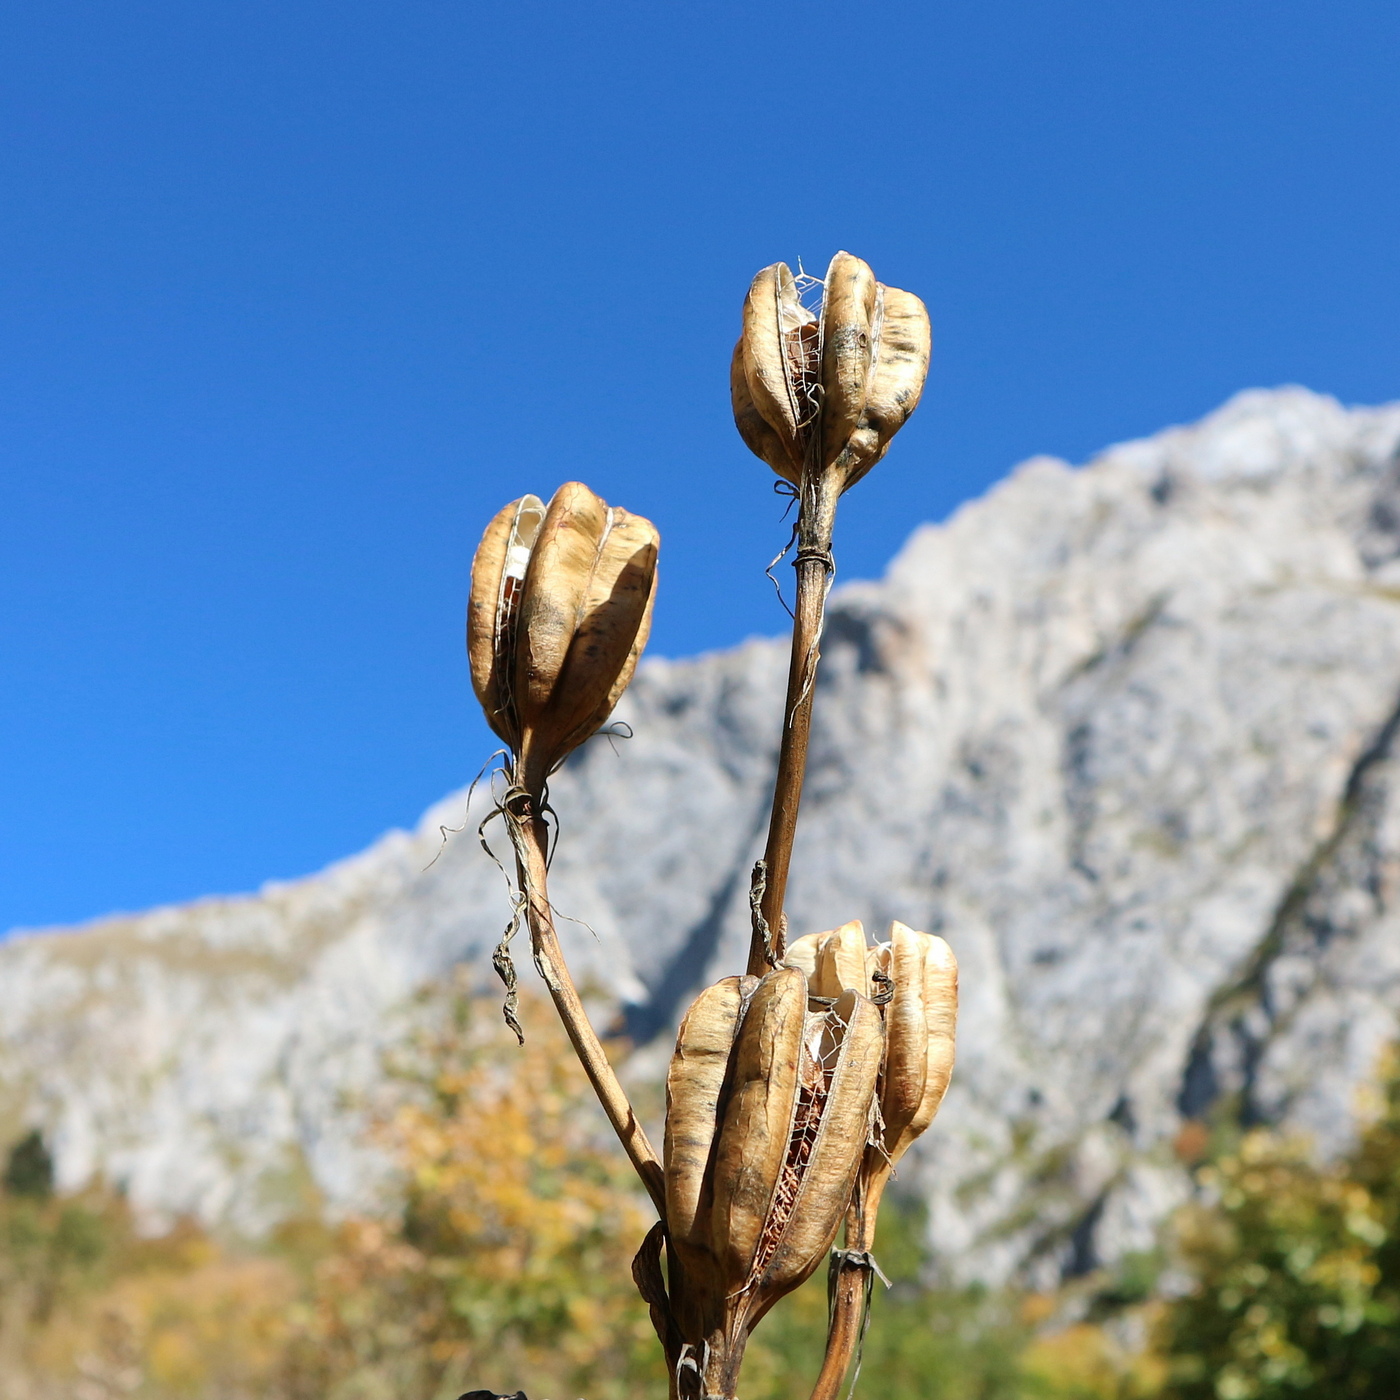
{"x": 827, "y": 393}
{"x": 560, "y": 610}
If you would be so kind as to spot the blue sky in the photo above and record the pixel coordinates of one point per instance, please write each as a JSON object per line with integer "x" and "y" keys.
{"x": 293, "y": 296}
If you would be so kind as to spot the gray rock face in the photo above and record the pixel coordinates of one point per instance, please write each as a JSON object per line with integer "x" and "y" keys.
{"x": 1125, "y": 735}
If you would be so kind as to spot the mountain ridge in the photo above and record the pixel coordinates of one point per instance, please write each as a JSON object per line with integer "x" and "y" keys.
{"x": 1123, "y": 733}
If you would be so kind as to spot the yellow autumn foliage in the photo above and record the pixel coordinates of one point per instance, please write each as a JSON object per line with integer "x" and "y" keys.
{"x": 503, "y": 1262}
{"x": 506, "y": 1264}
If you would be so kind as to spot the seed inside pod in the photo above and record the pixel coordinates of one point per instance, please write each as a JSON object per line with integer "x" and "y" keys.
{"x": 831, "y": 1127}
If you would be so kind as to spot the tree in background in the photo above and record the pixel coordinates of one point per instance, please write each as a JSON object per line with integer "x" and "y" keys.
{"x": 1296, "y": 1269}
{"x": 511, "y": 1253}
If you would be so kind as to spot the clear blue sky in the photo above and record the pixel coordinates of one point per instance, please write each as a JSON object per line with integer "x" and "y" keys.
{"x": 294, "y": 295}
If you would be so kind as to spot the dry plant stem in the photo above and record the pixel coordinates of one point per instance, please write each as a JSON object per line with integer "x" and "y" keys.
{"x": 529, "y": 837}
{"x": 847, "y": 1305}
{"x": 816, "y": 518}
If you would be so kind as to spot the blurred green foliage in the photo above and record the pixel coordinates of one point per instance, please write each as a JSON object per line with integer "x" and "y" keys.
{"x": 956, "y": 1344}
{"x": 1296, "y": 1271}
{"x": 29, "y": 1169}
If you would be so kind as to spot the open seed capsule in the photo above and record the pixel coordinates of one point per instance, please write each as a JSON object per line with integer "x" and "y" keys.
{"x": 920, "y": 1020}
{"x": 827, "y": 393}
{"x": 769, "y": 1114}
{"x": 560, "y": 611}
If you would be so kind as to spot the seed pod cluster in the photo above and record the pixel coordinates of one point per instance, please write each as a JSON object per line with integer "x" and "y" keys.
{"x": 560, "y": 609}
{"x": 827, "y": 392}
{"x": 769, "y": 1112}
{"x": 920, "y": 1027}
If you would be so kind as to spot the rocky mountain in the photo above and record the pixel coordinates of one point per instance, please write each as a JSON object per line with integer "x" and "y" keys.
{"x": 1125, "y": 734}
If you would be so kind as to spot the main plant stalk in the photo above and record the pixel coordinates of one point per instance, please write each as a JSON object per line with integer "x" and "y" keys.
{"x": 815, "y": 522}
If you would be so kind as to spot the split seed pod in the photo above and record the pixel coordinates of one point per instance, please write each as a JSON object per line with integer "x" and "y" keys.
{"x": 920, "y": 1025}
{"x": 769, "y": 1108}
{"x": 920, "y": 1032}
{"x": 827, "y": 393}
{"x": 560, "y": 610}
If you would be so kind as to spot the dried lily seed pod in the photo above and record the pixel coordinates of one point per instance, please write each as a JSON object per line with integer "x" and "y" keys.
{"x": 841, "y": 962}
{"x": 761, "y": 439}
{"x": 556, "y": 582}
{"x": 777, "y": 347}
{"x": 769, "y": 1113}
{"x": 493, "y": 612}
{"x": 906, "y": 1031}
{"x": 920, "y": 1029}
{"x": 802, "y": 952}
{"x": 827, "y": 393}
{"x": 847, "y": 349}
{"x": 613, "y": 621}
{"x": 757, "y": 1121}
{"x": 826, "y": 1150}
{"x": 694, "y": 1085}
{"x": 941, "y": 1011}
{"x": 903, "y": 341}
{"x": 560, "y": 611}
